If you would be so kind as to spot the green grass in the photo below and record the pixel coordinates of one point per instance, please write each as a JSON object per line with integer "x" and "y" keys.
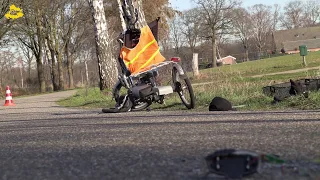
{"x": 265, "y": 66}
{"x": 88, "y": 98}
{"x": 234, "y": 83}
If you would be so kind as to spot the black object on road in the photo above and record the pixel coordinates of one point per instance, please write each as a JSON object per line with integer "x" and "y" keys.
{"x": 124, "y": 105}
{"x": 232, "y": 163}
{"x": 220, "y": 104}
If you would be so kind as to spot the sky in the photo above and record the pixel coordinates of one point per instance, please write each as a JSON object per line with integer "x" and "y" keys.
{"x": 187, "y": 4}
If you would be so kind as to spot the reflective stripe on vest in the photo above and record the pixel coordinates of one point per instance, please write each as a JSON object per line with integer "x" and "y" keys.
{"x": 137, "y": 56}
{"x": 152, "y": 57}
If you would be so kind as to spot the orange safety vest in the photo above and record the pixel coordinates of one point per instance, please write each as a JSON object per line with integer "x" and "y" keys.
{"x": 144, "y": 54}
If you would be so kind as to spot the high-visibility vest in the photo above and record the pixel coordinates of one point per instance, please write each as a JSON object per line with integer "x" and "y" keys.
{"x": 144, "y": 54}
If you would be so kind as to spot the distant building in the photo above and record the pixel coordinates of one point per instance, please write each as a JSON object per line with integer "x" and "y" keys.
{"x": 227, "y": 60}
{"x": 288, "y": 41}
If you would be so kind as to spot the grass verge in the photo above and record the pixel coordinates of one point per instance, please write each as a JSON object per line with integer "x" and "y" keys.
{"x": 234, "y": 83}
{"x": 88, "y": 98}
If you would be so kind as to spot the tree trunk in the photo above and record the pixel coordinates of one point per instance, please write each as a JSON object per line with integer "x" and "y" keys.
{"x": 70, "y": 76}
{"x": 21, "y": 75}
{"x": 218, "y": 52}
{"x": 141, "y": 18}
{"x": 87, "y": 74}
{"x": 41, "y": 73}
{"x": 39, "y": 53}
{"x": 247, "y": 54}
{"x": 29, "y": 69}
{"x": 214, "y": 51}
{"x": 53, "y": 71}
{"x": 60, "y": 71}
{"x": 53, "y": 68}
{"x": 123, "y": 23}
{"x": 260, "y": 50}
{"x": 69, "y": 66}
{"x": 108, "y": 71}
{"x": 137, "y": 4}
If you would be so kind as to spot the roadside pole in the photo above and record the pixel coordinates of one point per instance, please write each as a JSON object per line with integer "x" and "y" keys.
{"x": 195, "y": 67}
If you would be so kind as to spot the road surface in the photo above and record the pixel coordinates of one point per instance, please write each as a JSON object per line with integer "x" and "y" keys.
{"x": 40, "y": 140}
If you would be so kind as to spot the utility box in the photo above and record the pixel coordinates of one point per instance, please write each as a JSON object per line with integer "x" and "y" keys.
{"x": 303, "y": 50}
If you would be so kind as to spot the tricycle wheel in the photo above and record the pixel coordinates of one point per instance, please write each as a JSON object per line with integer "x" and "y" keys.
{"x": 183, "y": 87}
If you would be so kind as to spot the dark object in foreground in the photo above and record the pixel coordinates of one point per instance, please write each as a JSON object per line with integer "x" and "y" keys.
{"x": 296, "y": 88}
{"x": 124, "y": 105}
{"x": 220, "y": 104}
{"x": 232, "y": 163}
{"x": 292, "y": 88}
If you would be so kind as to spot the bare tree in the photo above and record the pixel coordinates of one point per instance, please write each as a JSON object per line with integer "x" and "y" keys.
{"x": 261, "y": 19}
{"x": 293, "y": 15}
{"x": 30, "y": 33}
{"x": 311, "y": 13}
{"x": 176, "y": 35}
{"x": 191, "y": 27}
{"x": 217, "y": 19}
{"x": 50, "y": 54}
{"x": 6, "y": 63}
{"x": 166, "y": 44}
{"x": 243, "y": 27}
{"x": 27, "y": 53}
{"x": 108, "y": 71}
{"x": 50, "y": 31}
{"x": 275, "y": 22}
{"x": 57, "y": 30}
{"x": 275, "y": 17}
{"x": 74, "y": 35}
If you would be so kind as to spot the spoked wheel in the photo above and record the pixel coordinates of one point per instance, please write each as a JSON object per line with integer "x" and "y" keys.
{"x": 182, "y": 86}
{"x": 138, "y": 106}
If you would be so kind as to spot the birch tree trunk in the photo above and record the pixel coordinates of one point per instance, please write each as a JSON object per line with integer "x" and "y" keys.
{"x": 87, "y": 73}
{"x": 123, "y": 23}
{"x": 107, "y": 64}
{"x": 136, "y": 4}
{"x": 141, "y": 18}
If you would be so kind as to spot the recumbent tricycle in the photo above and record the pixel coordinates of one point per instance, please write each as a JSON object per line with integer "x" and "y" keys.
{"x": 140, "y": 60}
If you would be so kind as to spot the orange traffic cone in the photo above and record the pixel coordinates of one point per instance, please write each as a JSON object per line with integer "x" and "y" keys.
{"x": 9, "y": 101}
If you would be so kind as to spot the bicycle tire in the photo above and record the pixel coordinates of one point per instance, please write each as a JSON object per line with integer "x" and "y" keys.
{"x": 178, "y": 80}
{"x": 135, "y": 107}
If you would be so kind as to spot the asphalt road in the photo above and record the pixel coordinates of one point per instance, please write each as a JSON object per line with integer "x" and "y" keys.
{"x": 40, "y": 140}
